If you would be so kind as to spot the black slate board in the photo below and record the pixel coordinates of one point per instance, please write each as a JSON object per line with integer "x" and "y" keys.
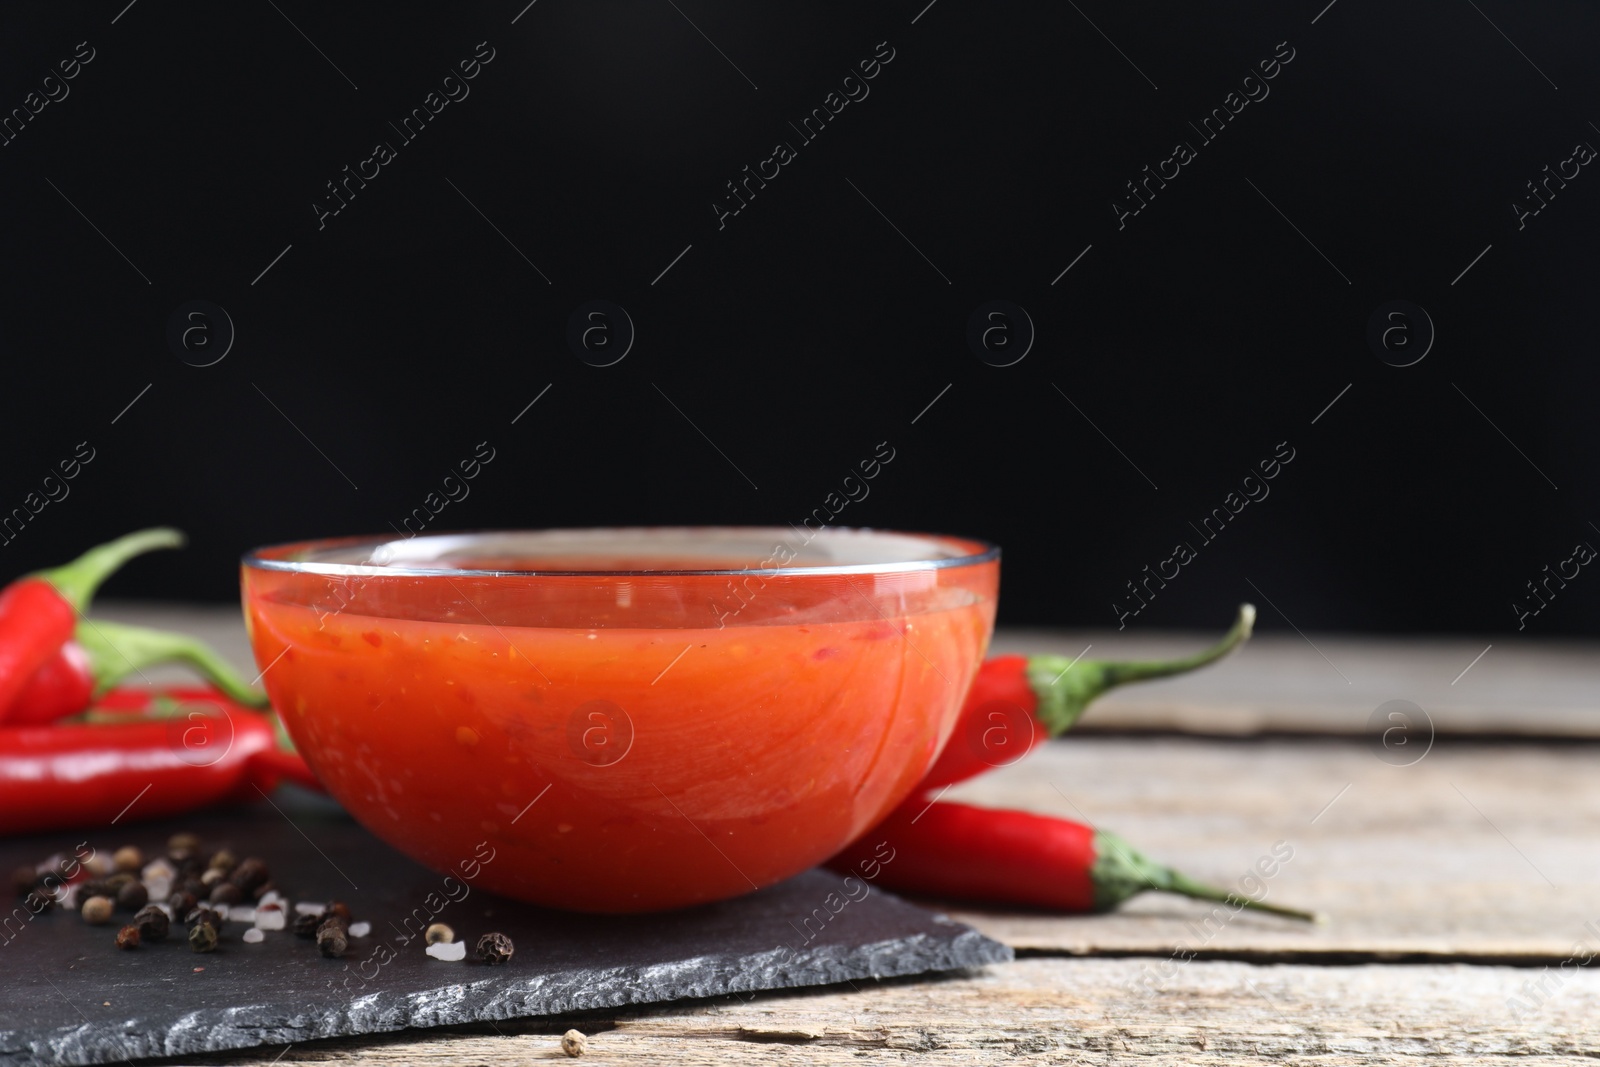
{"x": 68, "y": 996}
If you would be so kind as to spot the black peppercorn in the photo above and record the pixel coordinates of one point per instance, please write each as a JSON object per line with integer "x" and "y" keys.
{"x": 24, "y": 879}
{"x": 182, "y": 904}
{"x": 206, "y": 917}
{"x": 306, "y": 925}
{"x": 333, "y": 936}
{"x": 495, "y": 948}
{"x": 249, "y": 874}
{"x": 132, "y": 897}
{"x": 152, "y": 922}
{"x": 226, "y": 893}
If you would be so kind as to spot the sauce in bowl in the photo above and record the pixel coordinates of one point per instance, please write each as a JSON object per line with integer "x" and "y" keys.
{"x": 627, "y": 727}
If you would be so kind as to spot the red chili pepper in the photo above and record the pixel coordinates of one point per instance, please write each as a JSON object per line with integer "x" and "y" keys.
{"x": 1018, "y": 702}
{"x": 94, "y": 774}
{"x": 105, "y": 653}
{"x": 962, "y": 852}
{"x": 63, "y": 686}
{"x": 38, "y": 613}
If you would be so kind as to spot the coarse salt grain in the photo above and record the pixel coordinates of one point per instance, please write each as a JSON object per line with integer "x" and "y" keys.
{"x": 254, "y": 936}
{"x": 306, "y": 907}
{"x": 269, "y": 919}
{"x": 69, "y": 897}
{"x": 360, "y": 929}
{"x": 241, "y": 914}
{"x": 158, "y": 888}
{"x": 158, "y": 868}
{"x": 450, "y": 951}
{"x": 220, "y": 909}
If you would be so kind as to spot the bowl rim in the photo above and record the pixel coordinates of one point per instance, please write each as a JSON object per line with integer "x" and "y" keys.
{"x": 980, "y": 551}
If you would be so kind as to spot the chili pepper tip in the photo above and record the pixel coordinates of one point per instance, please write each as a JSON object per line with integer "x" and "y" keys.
{"x": 1064, "y": 687}
{"x": 1120, "y": 872}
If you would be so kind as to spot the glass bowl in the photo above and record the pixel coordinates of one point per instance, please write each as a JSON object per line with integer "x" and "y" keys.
{"x": 621, "y": 719}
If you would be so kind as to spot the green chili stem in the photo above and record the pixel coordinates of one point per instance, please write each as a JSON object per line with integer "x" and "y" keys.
{"x": 117, "y": 650}
{"x": 77, "y": 581}
{"x": 1065, "y": 687}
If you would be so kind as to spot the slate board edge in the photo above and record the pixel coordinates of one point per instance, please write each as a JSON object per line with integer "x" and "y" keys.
{"x": 253, "y": 1026}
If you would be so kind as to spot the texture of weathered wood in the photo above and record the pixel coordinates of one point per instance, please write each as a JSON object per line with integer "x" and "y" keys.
{"x": 1278, "y": 682}
{"x": 1072, "y": 1011}
{"x": 1476, "y": 851}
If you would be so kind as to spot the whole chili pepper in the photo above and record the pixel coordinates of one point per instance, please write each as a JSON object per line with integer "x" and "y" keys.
{"x": 92, "y": 774}
{"x": 39, "y": 613}
{"x": 105, "y": 653}
{"x": 963, "y": 852}
{"x": 1018, "y": 702}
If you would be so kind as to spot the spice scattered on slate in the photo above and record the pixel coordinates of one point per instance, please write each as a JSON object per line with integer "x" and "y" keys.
{"x": 573, "y": 1043}
{"x": 333, "y": 937}
{"x": 132, "y": 896}
{"x": 128, "y": 937}
{"x": 97, "y": 910}
{"x": 152, "y": 922}
{"x": 495, "y": 948}
{"x": 203, "y": 938}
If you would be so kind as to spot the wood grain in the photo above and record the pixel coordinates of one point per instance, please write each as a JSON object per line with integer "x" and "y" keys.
{"x": 1069, "y": 1011}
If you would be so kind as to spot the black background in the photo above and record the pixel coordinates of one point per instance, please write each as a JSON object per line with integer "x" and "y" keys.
{"x": 407, "y": 330}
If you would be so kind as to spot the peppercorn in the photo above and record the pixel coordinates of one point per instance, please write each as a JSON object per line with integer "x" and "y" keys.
{"x": 225, "y": 893}
{"x": 306, "y": 925}
{"x": 133, "y": 896}
{"x": 263, "y": 889}
{"x": 202, "y": 938}
{"x": 250, "y": 873}
{"x": 438, "y": 933}
{"x": 338, "y": 908}
{"x": 205, "y": 916}
{"x": 212, "y": 876}
{"x": 223, "y": 861}
{"x": 128, "y": 937}
{"x": 24, "y": 878}
{"x": 127, "y": 858}
{"x": 153, "y": 923}
{"x": 573, "y": 1043}
{"x": 96, "y": 910}
{"x": 182, "y": 903}
{"x": 38, "y": 901}
{"x": 115, "y": 882}
{"x": 333, "y": 936}
{"x": 182, "y": 846}
{"x": 195, "y": 888}
{"x": 495, "y": 948}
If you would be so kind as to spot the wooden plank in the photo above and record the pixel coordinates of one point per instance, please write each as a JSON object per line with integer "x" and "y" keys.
{"x": 1479, "y": 851}
{"x": 1070, "y": 1011}
{"x": 1282, "y": 681}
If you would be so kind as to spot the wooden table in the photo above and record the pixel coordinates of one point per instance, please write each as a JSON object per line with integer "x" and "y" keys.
{"x": 1455, "y": 887}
